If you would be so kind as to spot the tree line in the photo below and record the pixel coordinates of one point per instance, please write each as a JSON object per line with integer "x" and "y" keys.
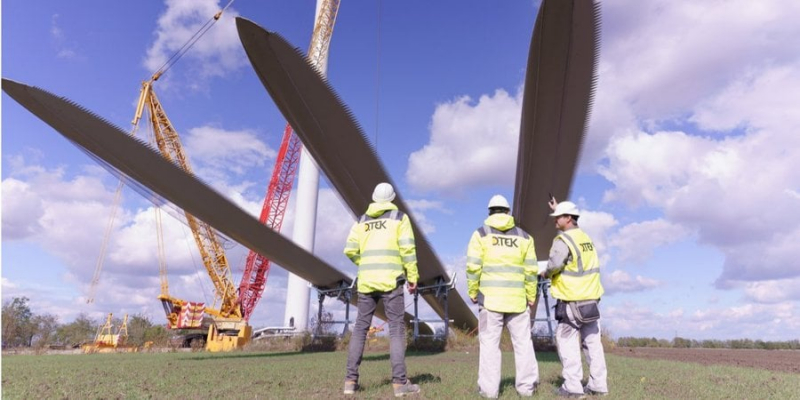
{"x": 22, "y": 328}
{"x": 684, "y": 343}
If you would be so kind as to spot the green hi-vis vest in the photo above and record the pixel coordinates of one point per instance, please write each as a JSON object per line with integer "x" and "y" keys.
{"x": 502, "y": 269}
{"x": 383, "y": 248}
{"x": 580, "y": 279}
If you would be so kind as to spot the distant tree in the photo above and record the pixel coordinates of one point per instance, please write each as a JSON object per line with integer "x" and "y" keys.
{"x": 17, "y": 328}
{"x": 741, "y": 344}
{"x": 607, "y": 339}
{"x": 83, "y": 329}
{"x": 679, "y": 342}
{"x": 713, "y": 344}
{"x": 141, "y": 330}
{"x": 158, "y": 334}
{"x": 137, "y": 326}
{"x": 44, "y": 330}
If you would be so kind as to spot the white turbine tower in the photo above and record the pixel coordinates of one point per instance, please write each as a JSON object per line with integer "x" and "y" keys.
{"x": 298, "y": 291}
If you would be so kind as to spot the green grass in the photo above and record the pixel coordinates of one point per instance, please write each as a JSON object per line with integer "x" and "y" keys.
{"x": 254, "y": 375}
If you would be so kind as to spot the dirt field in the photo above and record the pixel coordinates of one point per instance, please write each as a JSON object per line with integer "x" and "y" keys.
{"x": 773, "y": 360}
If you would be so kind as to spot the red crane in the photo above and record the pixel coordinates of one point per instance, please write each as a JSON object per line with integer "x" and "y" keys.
{"x": 254, "y": 279}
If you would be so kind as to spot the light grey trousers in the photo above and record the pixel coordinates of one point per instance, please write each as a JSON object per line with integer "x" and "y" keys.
{"x": 394, "y": 305}
{"x": 570, "y": 341}
{"x": 490, "y": 328}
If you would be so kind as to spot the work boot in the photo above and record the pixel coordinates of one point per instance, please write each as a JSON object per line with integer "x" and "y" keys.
{"x": 350, "y": 387}
{"x": 402, "y": 390}
{"x": 591, "y": 392}
{"x": 561, "y": 392}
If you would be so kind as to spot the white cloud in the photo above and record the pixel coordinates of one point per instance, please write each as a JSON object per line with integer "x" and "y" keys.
{"x": 59, "y": 212}
{"x": 233, "y": 151}
{"x": 766, "y": 322}
{"x": 636, "y": 241}
{"x": 419, "y": 208}
{"x": 59, "y": 39}
{"x": 627, "y": 318}
{"x": 334, "y": 221}
{"x": 135, "y": 244}
{"x": 756, "y": 99}
{"x": 773, "y": 291}
{"x": 677, "y": 313}
{"x": 762, "y": 321}
{"x": 7, "y": 284}
{"x": 621, "y": 281}
{"x": 667, "y": 56}
{"x": 470, "y": 144}
{"x": 643, "y": 166}
{"x": 223, "y": 158}
{"x": 218, "y": 52}
{"x": 21, "y": 208}
{"x": 729, "y": 70}
{"x": 55, "y": 30}
{"x": 704, "y": 193}
{"x": 66, "y": 216}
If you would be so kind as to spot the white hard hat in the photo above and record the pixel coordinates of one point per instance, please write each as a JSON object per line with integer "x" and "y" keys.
{"x": 498, "y": 201}
{"x": 566, "y": 208}
{"x": 383, "y": 193}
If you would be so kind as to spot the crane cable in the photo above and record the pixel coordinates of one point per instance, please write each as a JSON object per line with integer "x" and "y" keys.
{"x": 167, "y": 65}
{"x": 189, "y": 43}
{"x": 160, "y": 71}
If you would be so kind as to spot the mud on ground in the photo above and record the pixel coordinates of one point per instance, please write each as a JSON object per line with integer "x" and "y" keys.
{"x": 773, "y": 360}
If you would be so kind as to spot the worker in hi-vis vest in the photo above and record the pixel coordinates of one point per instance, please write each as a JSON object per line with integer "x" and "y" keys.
{"x": 381, "y": 244}
{"x": 574, "y": 269}
{"x": 501, "y": 279}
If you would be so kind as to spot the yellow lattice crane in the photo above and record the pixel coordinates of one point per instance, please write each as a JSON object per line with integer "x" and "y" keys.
{"x": 229, "y": 329}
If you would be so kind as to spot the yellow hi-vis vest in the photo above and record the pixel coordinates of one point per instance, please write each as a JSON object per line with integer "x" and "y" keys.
{"x": 501, "y": 266}
{"x": 381, "y": 243}
{"x": 580, "y": 279}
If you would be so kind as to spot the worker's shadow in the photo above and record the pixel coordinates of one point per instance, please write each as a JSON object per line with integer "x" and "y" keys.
{"x": 385, "y": 356}
{"x": 376, "y": 357}
{"x": 418, "y": 379}
{"x": 507, "y": 385}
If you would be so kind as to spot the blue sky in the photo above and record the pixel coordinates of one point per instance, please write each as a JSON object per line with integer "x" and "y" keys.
{"x": 688, "y": 180}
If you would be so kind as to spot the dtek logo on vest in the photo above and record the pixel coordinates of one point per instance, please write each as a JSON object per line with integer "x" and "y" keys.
{"x": 504, "y": 241}
{"x": 587, "y": 247}
{"x": 375, "y": 225}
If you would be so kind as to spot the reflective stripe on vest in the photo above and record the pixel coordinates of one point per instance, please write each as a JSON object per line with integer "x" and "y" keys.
{"x": 393, "y": 214}
{"x": 515, "y": 231}
{"x": 577, "y": 251}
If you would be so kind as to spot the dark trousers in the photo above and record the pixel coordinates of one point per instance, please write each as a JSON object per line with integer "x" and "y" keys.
{"x": 394, "y": 305}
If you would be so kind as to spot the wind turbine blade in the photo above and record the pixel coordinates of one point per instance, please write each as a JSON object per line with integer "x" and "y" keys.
{"x": 557, "y": 99}
{"x": 143, "y": 164}
{"x": 331, "y": 134}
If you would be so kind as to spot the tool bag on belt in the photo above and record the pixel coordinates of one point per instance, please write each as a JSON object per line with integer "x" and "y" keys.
{"x": 585, "y": 311}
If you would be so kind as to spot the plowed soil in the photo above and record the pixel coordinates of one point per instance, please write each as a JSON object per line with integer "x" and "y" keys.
{"x": 773, "y": 360}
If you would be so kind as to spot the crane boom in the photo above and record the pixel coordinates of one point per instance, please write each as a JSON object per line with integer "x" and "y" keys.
{"x": 211, "y": 252}
{"x": 254, "y": 278}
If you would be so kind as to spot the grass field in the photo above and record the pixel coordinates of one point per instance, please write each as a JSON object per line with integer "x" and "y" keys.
{"x": 291, "y": 375}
